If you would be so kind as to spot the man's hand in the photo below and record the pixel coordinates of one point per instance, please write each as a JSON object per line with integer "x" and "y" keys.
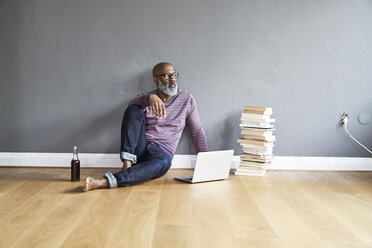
{"x": 157, "y": 106}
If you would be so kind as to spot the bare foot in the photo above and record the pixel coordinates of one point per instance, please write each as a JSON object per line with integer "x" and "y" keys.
{"x": 127, "y": 164}
{"x": 91, "y": 183}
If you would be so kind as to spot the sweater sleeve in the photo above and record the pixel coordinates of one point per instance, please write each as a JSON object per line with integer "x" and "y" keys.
{"x": 196, "y": 130}
{"x": 141, "y": 100}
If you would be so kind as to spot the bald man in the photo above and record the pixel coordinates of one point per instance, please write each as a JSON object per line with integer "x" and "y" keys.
{"x": 151, "y": 129}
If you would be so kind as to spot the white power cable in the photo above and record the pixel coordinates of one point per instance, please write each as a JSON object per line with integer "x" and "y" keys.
{"x": 345, "y": 124}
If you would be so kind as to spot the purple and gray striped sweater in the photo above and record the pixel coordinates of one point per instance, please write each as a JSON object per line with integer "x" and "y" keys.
{"x": 180, "y": 110}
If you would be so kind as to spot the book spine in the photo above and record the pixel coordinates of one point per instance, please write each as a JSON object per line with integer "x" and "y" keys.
{"x": 258, "y": 152}
{"x": 252, "y": 142}
{"x": 254, "y": 108}
{"x": 244, "y": 166}
{"x": 259, "y": 138}
{"x": 257, "y": 133}
{"x": 255, "y": 116}
{"x": 257, "y": 126}
{"x": 255, "y": 143}
{"x": 257, "y": 120}
{"x": 264, "y": 147}
{"x": 252, "y": 173}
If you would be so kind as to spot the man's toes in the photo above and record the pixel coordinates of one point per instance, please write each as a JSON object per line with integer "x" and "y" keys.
{"x": 86, "y": 188}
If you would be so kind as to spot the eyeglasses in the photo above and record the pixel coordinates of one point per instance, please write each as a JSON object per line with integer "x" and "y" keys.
{"x": 168, "y": 75}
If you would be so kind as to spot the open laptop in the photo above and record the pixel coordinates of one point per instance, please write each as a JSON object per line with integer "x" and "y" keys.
{"x": 210, "y": 166}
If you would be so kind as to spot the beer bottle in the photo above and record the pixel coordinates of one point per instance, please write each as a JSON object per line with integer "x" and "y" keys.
{"x": 75, "y": 166}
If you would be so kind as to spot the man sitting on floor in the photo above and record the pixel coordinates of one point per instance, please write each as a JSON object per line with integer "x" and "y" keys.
{"x": 151, "y": 129}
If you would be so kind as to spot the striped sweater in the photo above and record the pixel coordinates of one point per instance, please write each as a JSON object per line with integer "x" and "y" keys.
{"x": 180, "y": 110}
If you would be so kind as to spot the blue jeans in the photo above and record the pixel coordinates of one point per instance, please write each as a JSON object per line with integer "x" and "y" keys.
{"x": 149, "y": 160}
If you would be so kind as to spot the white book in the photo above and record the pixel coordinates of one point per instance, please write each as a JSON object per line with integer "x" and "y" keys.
{"x": 252, "y": 164}
{"x": 262, "y": 133}
{"x": 251, "y": 173}
{"x": 255, "y": 160}
{"x": 257, "y": 155}
{"x": 265, "y": 146}
{"x": 263, "y": 150}
{"x": 268, "y": 120}
{"x": 255, "y": 129}
{"x": 247, "y": 169}
{"x": 255, "y": 116}
{"x": 261, "y": 138}
{"x": 258, "y": 110}
{"x": 263, "y": 126}
{"x": 258, "y": 143}
{"x": 258, "y": 152}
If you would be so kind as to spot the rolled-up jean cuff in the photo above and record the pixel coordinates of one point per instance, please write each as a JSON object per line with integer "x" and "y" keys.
{"x": 128, "y": 156}
{"x": 113, "y": 183}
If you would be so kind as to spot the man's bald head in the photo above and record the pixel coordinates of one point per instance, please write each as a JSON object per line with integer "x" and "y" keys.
{"x": 161, "y": 68}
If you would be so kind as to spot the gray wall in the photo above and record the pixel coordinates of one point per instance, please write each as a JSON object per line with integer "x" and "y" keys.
{"x": 68, "y": 69}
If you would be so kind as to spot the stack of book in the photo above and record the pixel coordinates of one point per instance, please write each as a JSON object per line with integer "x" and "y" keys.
{"x": 257, "y": 142}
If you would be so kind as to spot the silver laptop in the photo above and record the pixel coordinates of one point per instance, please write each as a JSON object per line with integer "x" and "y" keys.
{"x": 210, "y": 166}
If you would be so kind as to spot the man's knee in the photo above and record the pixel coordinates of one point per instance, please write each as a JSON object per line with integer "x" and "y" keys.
{"x": 163, "y": 162}
{"x": 134, "y": 111}
{"x": 163, "y": 165}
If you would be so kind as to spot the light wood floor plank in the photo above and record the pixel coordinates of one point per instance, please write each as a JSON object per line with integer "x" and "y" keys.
{"x": 263, "y": 243}
{"x": 174, "y": 218}
{"x": 52, "y": 230}
{"x": 7, "y": 184}
{"x": 245, "y": 216}
{"x": 173, "y": 236}
{"x": 325, "y": 219}
{"x": 137, "y": 220}
{"x": 320, "y": 220}
{"x": 19, "y": 195}
{"x": 347, "y": 208}
{"x": 55, "y": 221}
{"x": 361, "y": 183}
{"x": 169, "y": 183}
{"x": 99, "y": 222}
{"x": 22, "y": 219}
{"x": 284, "y": 220}
{"x": 211, "y": 223}
{"x": 176, "y": 208}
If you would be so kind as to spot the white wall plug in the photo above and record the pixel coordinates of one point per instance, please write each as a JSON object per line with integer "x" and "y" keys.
{"x": 344, "y": 119}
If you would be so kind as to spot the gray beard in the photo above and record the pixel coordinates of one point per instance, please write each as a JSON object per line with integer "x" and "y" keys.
{"x": 167, "y": 89}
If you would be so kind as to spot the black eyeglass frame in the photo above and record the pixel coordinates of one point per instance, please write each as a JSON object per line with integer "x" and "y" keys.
{"x": 168, "y": 75}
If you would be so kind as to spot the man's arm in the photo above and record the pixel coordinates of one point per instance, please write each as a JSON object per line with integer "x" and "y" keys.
{"x": 141, "y": 100}
{"x": 196, "y": 130}
{"x": 157, "y": 105}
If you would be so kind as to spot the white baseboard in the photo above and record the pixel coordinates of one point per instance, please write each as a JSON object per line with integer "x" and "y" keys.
{"x": 321, "y": 163}
{"x": 94, "y": 160}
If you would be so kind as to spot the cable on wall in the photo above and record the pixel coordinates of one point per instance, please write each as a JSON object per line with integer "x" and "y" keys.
{"x": 344, "y": 120}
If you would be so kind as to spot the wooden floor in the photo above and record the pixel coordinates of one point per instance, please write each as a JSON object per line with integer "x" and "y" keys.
{"x": 40, "y": 207}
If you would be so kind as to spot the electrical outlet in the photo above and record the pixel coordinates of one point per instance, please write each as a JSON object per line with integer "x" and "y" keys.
{"x": 344, "y": 118}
